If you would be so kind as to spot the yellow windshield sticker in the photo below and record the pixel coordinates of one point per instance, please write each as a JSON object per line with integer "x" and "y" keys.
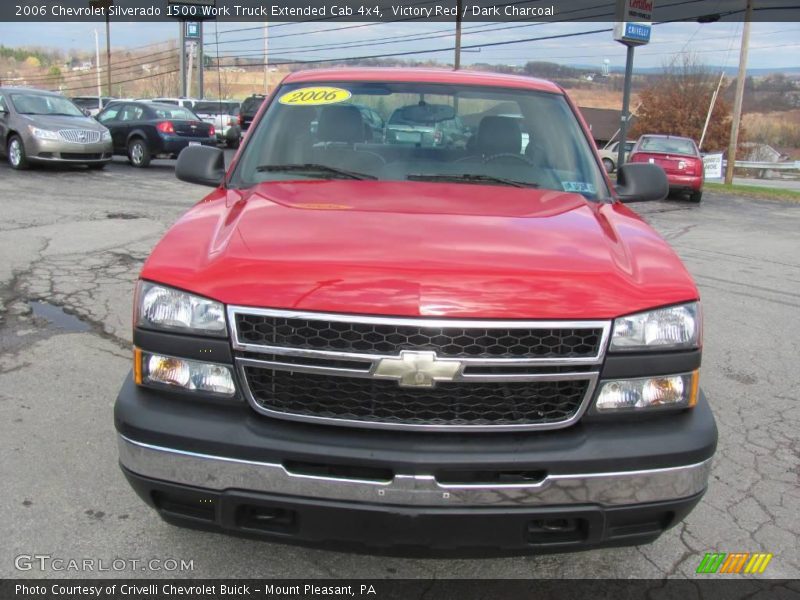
{"x": 314, "y": 96}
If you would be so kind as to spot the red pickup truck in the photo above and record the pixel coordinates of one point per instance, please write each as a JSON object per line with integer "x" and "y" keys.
{"x": 472, "y": 345}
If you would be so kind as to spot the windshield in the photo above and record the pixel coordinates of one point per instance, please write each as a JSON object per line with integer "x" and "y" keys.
{"x": 173, "y": 112}
{"x": 667, "y": 145}
{"x": 40, "y": 104}
{"x": 216, "y": 108}
{"x": 475, "y": 135}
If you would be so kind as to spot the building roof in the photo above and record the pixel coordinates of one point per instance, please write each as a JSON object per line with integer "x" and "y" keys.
{"x": 604, "y": 122}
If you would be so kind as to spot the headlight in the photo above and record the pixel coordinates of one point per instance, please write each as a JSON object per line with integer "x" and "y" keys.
{"x": 667, "y": 391}
{"x": 159, "y": 307}
{"x": 43, "y": 134}
{"x": 182, "y": 373}
{"x": 673, "y": 328}
{"x": 106, "y": 136}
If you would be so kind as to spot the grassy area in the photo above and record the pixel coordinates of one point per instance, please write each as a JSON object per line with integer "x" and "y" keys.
{"x": 754, "y": 190}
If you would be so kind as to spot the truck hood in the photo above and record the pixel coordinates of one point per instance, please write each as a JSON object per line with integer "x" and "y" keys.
{"x": 420, "y": 249}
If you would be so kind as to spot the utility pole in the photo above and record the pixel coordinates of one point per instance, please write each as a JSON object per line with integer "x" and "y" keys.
{"x": 182, "y": 57}
{"x": 266, "y": 58}
{"x": 189, "y": 70}
{"x": 625, "y": 117}
{"x": 457, "y": 60}
{"x": 201, "y": 64}
{"x": 710, "y": 110}
{"x": 106, "y": 5}
{"x": 737, "y": 103}
{"x": 97, "y": 69}
{"x": 108, "y": 53}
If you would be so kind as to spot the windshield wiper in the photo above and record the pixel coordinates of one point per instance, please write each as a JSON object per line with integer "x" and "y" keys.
{"x": 314, "y": 167}
{"x": 471, "y": 178}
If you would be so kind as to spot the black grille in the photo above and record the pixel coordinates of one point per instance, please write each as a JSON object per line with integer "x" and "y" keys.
{"x": 391, "y": 339}
{"x": 458, "y": 403}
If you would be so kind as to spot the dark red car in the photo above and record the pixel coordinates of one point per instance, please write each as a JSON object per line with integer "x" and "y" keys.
{"x": 680, "y": 159}
{"x": 476, "y": 345}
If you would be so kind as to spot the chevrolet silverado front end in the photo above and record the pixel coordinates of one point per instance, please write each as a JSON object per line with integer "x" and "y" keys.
{"x": 359, "y": 343}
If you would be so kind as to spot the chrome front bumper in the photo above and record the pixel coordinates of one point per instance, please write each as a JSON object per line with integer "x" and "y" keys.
{"x": 219, "y": 473}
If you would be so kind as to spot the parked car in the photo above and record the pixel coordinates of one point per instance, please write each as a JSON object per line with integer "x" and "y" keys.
{"x": 44, "y": 127}
{"x": 680, "y": 159}
{"x": 224, "y": 116}
{"x": 248, "y": 110}
{"x": 184, "y": 102}
{"x": 146, "y": 130}
{"x": 417, "y": 346}
{"x": 91, "y": 105}
{"x": 610, "y": 153}
{"x": 425, "y": 125}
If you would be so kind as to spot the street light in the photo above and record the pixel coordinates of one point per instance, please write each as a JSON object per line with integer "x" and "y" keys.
{"x": 106, "y": 6}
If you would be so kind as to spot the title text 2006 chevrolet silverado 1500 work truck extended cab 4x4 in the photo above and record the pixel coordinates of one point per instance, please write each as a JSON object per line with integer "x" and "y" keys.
{"x": 462, "y": 347}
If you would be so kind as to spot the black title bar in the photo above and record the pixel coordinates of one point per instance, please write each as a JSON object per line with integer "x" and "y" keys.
{"x": 384, "y": 10}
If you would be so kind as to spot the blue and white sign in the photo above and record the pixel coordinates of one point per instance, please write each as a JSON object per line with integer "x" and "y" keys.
{"x": 192, "y": 30}
{"x": 634, "y": 22}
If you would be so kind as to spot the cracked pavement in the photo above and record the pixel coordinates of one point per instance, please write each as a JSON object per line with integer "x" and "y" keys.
{"x": 76, "y": 240}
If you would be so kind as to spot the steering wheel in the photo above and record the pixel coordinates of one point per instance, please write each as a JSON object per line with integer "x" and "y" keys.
{"x": 507, "y": 155}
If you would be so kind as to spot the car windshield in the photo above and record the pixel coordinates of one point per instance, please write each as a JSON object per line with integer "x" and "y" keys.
{"x": 667, "y": 145}
{"x": 474, "y": 135}
{"x": 216, "y": 108}
{"x": 86, "y": 102}
{"x": 41, "y": 104}
{"x": 174, "y": 112}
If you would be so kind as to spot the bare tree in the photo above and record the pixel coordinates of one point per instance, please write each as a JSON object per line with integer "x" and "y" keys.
{"x": 677, "y": 102}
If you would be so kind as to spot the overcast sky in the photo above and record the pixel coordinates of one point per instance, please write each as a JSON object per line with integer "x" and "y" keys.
{"x": 772, "y": 45}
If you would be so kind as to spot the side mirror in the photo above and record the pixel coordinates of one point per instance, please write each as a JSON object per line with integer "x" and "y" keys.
{"x": 641, "y": 182}
{"x": 201, "y": 164}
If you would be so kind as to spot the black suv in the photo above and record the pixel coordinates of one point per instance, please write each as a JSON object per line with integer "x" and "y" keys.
{"x": 249, "y": 109}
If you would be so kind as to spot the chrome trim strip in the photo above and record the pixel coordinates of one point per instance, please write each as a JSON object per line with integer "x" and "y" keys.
{"x": 605, "y": 326}
{"x": 369, "y": 372}
{"x": 584, "y": 405}
{"x": 220, "y": 473}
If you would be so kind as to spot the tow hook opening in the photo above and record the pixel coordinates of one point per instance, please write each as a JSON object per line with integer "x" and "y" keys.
{"x": 556, "y": 530}
{"x": 271, "y": 519}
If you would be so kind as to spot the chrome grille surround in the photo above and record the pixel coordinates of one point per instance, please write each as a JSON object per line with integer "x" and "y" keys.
{"x": 80, "y": 136}
{"x": 361, "y": 365}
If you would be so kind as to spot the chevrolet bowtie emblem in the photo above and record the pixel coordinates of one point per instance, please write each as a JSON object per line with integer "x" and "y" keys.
{"x": 417, "y": 369}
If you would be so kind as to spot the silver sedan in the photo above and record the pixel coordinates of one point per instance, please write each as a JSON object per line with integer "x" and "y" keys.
{"x": 44, "y": 127}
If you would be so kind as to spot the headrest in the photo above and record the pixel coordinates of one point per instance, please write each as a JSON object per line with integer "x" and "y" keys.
{"x": 498, "y": 135}
{"x": 340, "y": 124}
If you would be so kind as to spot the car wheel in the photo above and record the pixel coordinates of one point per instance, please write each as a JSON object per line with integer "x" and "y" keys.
{"x": 138, "y": 153}
{"x": 608, "y": 165}
{"x": 696, "y": 196}
{"x": 15, "y": 151}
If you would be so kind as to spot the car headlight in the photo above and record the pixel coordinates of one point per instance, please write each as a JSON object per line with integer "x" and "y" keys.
{"x": 182, "y": 373}
{"x": 674, "y": 328}
{"x": 43, "y": 134}
{"x": 106, "y": 136}
{"x": 160, "y": 307}
{"x": 665, "y": 391}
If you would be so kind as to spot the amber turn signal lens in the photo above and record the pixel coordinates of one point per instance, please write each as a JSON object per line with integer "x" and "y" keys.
{"x": 137, "y": 365}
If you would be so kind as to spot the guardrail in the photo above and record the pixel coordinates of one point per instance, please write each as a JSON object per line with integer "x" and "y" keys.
{"x": 767, "y": 166}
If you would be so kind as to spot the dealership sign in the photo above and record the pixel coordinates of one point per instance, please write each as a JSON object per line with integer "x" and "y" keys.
{"x": 634, "y": 19}
{"x": 712, "y": 165}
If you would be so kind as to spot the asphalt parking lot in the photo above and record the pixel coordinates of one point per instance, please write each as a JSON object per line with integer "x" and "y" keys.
{"x": 76, "y": 239}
